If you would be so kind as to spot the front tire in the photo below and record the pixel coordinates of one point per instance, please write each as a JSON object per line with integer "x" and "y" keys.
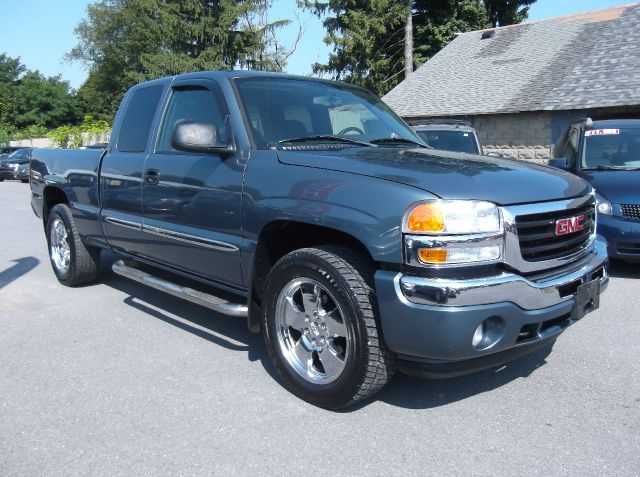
{"x": 72, "y": 261}
{"x": 321, "y": 329}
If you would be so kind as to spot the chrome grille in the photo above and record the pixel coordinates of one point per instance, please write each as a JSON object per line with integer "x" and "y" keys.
{"x": 537, "y": 234}
{"x": 631, "y": 211}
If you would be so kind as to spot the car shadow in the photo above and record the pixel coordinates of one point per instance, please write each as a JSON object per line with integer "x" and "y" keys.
{"x": 232, "y": 333}
{"x": 21, "y": 267}
{"x": 415, "y": 393}
{"x": 226, "y": 331}
{"x": 620, "y": 269}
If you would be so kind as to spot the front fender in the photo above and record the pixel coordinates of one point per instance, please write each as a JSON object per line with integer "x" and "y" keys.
{"x": 368, "y": 209}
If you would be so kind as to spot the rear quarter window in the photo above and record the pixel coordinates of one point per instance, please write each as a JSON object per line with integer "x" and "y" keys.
{"x": 137, "y": 120}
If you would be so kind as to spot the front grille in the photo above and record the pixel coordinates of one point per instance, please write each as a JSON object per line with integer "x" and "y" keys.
{"x": 538, "y": 239}
{"x": 631, "y": 211}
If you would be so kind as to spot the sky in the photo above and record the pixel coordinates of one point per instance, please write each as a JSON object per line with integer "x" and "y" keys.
{"x": 40, "y": 32}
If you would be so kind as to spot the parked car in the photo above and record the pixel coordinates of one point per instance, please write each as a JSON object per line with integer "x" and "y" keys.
{"x": 7, "y": 150}
{"x": 456, "y": 136}
{"x": 607, "y": 154}
{"x": 10, "y": 164}
{"x": 22, "y": 172}
{"x": 308, "y": 208}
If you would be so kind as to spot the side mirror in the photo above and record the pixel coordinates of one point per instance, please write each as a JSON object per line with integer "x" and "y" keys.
{"x": 191, "y": 136}
{"x": 560, "y": 163}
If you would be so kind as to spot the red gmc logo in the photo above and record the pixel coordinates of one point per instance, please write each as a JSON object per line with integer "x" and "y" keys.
{"x": 570, "y": 225}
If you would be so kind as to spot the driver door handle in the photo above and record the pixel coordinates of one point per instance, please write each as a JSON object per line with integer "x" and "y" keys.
{"x": 152, "y": 176}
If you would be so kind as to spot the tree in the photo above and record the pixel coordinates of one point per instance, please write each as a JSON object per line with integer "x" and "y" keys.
{"x": 10, "y": 71}
{"x": 30, "y": 101}
{"x": 123, "y": 42}
{"x": 377, "y": 43}
{"x": 437, "y": 22}
{"x": 507, "y": 12}
{"x": 44, "y": 102}
{"x": 367, "y": 38}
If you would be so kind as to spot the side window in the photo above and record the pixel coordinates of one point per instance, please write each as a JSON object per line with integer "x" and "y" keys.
{"x": 194, "y": 104}
{"x": 570, "y": 148}
{"x": 136, "y": 124}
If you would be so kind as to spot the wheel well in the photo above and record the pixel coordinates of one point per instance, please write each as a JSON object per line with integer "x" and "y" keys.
{"x": 271, "y": 247}
{"x": 52, "y": 196}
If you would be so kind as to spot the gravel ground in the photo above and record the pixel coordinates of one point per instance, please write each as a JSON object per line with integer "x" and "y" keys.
{"x": 118, "y": 379}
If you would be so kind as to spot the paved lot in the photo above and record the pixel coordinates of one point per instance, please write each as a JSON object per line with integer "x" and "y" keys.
{"x": 117, "y": 379}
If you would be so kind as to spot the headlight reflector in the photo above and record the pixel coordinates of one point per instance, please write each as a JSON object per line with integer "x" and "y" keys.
{"x": 452, "y": 217}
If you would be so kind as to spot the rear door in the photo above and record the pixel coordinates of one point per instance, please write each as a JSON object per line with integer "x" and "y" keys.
{"x": 191, "y": 201}
{"x": 121, "y": 171}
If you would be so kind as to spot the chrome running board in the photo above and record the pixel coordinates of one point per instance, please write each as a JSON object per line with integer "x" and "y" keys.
{"x": 194, "y": 296}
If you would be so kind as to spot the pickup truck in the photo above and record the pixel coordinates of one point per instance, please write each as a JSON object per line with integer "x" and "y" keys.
{"x": 308, "y": 208}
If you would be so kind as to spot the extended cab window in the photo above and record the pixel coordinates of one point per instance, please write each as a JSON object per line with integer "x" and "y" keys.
{"x": 195, "y": 104}
{"x": 136, "y": 124}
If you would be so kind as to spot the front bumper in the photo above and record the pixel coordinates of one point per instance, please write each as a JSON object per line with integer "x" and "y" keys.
{"x": 623, "y": 236}
{"x": 433, "y": 320}
{"x": 6, "y": 173}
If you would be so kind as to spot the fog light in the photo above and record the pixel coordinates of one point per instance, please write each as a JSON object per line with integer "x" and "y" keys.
{"x": 432, "y": 255}
{"x": 478, "y": 335}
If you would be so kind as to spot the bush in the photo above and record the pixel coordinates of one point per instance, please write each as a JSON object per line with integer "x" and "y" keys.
{"x": 72, "y": 136}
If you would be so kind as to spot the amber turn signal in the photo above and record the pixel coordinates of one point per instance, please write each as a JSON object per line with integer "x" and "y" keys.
{"x": 426, "y": 218}
{"x": 432, "y": 255}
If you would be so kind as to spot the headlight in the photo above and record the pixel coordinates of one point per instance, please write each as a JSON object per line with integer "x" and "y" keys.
{"x": 456, "y": 232}
{"x": 603, "y": 205}
{"x": 452, "y": 217}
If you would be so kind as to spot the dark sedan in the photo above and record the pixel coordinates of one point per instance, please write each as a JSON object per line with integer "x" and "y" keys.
{"x": 9, "y": 166}
{"x": 607, "y": 154}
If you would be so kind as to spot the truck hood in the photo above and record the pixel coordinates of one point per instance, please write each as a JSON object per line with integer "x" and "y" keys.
{"x": 619, "y": 187}
{"x": 449, "y": 175}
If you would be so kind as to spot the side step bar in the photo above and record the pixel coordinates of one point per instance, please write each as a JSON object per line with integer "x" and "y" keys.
{"x": 194, "y": 296}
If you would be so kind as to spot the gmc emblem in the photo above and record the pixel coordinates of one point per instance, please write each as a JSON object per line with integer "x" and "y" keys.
{"x": 570, "y": 225}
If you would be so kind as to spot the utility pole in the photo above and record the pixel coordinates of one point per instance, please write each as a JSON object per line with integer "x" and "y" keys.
{"x": 408, "y": 42}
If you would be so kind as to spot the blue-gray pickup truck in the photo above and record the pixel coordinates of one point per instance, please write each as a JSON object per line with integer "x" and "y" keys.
{"x": 308, "y": 208}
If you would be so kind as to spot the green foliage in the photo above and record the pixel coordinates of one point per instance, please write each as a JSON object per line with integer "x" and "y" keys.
{"x": 4, "y": 137}
{"x": 30, "y": 132}
{"x": 31, "y": 102}
{"x": 507, "y": 12}
{"x": 124, "y": 42}
{"x": 437, "y": 22}
{"x": 367, "y": 36}
{"x": 72, "y": 136}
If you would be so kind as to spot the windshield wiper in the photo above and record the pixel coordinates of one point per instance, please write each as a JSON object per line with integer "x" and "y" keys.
{"x": 325, "y": 137}
{"x": 395, "y": 140}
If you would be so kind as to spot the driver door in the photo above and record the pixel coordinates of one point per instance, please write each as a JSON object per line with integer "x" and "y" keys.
{"x": 191, "y": 201}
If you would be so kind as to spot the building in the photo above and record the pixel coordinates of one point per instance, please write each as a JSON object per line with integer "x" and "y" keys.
{"x": 522, "y": 85}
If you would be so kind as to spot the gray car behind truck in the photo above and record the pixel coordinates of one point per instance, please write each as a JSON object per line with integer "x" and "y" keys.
{"x": 308, "y": 208}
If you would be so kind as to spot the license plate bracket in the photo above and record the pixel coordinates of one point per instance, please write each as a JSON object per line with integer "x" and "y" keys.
{"x": 587, "y": 299}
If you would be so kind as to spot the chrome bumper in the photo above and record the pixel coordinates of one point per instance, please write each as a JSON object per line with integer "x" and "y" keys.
{"x": 529, "y": 294}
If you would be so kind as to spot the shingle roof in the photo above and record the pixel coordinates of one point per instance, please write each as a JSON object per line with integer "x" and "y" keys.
{"x": 575, "y": 62}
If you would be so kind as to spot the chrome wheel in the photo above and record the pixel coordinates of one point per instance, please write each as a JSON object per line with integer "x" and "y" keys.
{"x": 60, "y": 249}
{"x": 312, "y": 333}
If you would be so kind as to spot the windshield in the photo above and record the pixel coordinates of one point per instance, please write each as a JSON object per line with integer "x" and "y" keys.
{"x": 450, "y": 140}
{"x": 19, "y": 154}
{"x": 615, "y": 148}
{"x": 279, "y": 109}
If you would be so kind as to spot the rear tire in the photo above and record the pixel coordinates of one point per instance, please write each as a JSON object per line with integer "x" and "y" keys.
{"x": 72, "y": 261}
{"x": 321, "y": 329}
